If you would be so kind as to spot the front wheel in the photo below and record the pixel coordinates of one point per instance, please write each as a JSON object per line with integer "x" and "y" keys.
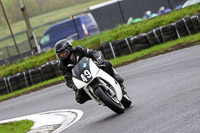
{"x": 111, "y": 102}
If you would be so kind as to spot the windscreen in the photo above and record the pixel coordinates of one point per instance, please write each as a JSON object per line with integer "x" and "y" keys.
{"x": 82, "y": 70}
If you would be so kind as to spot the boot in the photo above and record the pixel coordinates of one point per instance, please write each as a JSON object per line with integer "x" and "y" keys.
{"x": 120, "y": 80}
{"x": 117, "y": 77}
{"x": 123, "y": 88}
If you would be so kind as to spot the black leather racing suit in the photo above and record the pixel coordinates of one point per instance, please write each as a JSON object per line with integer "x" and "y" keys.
{"x": 78, "y": 53}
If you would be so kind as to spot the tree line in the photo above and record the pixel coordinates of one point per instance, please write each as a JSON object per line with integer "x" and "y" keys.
{"x": 34, "y": 7}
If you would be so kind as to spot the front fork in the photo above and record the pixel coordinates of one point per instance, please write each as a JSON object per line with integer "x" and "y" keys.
{"x": 104, "y": 86}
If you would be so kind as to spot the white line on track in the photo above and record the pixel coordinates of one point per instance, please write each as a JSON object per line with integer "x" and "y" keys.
{"x": 51, "y": 121}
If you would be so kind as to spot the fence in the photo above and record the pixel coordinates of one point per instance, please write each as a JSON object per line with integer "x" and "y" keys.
{"x": 8, "y": 51}
{"x": 119, "y": 11}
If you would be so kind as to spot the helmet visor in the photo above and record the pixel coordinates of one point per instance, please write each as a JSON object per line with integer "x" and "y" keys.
{"x": 63, "y": 54}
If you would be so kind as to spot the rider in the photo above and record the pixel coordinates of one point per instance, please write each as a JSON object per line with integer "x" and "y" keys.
{"x": 69, "y": 57}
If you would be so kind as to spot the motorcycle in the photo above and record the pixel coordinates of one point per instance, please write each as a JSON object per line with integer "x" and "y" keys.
{"x": 99, "y": 85}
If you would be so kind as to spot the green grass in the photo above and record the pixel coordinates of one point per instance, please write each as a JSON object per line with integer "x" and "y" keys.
{"x": 16, "y": 127}
{"x": 153, "y": 51}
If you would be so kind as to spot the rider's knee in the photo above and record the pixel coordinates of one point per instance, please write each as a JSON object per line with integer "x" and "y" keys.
{"x": 80, "y": 101}
{"x": 107, "y": 63}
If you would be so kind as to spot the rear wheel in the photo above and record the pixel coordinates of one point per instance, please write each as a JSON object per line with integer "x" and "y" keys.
{"x": 111, "y": 102}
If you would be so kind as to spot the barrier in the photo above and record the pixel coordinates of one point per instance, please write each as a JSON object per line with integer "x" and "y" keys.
{"x": 36, "y": 76}
{"x": 110, "y": 50}
{"x": 27, "y": 78}
{"x": 13, "y": 83}
{"x": 189, "y": 25}
{"x": 139, "y": 42}
{"x": 4, "y": 86}
{"x": 154, "y": 37}
{"x": 54, "y": 64}
{"x": 168, "y": 32}
{"x": 116, "y": 48}
{"x": 22, "y": 80}
{"x": 124, "y": 47}
{"x": 196, "y": 22}
{"x": 181, "y": 28}
{"x": 47, "y": 71}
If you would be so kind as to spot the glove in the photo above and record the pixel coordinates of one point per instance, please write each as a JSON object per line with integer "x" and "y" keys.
{"x": 74, "y": 88}
{"x": 100, "y": 61}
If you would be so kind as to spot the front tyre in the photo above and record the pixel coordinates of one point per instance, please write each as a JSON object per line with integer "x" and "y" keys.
{"x": 112, "y": 103}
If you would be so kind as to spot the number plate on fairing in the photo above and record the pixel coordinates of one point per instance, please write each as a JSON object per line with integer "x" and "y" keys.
{"x": 82, "y": 70}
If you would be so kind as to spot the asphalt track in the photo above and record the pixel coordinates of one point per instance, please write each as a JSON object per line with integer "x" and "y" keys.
{"x": 166, "y": 99}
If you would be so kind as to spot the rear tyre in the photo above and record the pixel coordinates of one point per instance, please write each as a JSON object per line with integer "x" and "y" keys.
{"x": 126, "y": 101}
{"x": 112, "y": 103}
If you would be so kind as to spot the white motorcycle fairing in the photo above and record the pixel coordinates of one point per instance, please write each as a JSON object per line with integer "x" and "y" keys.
{"x": 86, "y": 71}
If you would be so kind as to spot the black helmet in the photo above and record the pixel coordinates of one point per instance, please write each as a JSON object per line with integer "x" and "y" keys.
{"x": 63, "y": 49}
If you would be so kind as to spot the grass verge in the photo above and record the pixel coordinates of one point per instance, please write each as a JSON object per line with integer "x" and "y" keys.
{"x": 16, "y": 127}
{"x": 120, "y": 61}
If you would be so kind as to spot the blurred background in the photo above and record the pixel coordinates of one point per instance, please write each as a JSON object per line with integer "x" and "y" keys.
{"x": 44, "y": 14}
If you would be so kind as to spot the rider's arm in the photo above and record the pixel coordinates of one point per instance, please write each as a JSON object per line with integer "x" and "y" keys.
{"x": 94, "y": 54}
{"x": 67, "y": 74}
